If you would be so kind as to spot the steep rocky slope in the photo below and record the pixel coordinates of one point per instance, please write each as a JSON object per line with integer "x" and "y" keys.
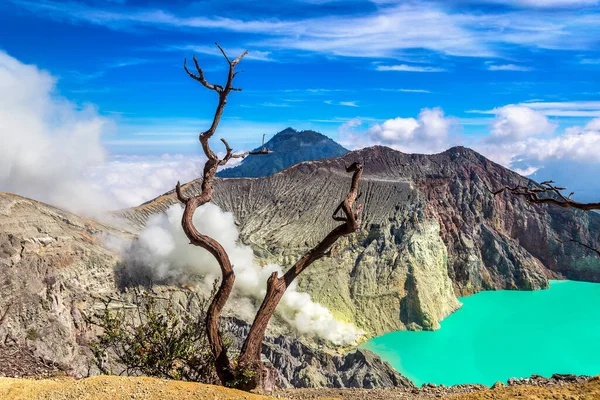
{"x": 431, "y": 231}
{"x": 56, "y": 267}
{"x": 52, "y": 264}
{"x": 289, "y": 147}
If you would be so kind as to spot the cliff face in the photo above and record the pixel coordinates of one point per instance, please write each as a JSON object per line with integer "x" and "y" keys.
{"x": 56, "y": 268}
{"x": 52, "y": 265}
{"x": 431, "y": 231}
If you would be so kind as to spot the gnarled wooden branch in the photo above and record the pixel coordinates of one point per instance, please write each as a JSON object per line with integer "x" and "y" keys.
{"x": 276, "y": 285}
{"x": 532, "y": 196}
{"x": 224, "y": 367}
{"x": 229, "y": 152}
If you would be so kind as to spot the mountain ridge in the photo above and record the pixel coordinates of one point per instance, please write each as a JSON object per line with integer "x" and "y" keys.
{"x": 432, "y": 231}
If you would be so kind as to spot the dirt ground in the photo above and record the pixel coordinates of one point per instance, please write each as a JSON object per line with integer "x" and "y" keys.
{"x": 121, "y": 388}
{"x": 115, "y": 388}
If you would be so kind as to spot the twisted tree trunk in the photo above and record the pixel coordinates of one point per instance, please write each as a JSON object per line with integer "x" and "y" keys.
{"x": 247, "y": 372}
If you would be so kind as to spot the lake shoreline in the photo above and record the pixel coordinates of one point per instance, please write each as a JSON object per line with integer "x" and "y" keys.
{"x": 536, "y": 383}
{"x": 497, "y": 335}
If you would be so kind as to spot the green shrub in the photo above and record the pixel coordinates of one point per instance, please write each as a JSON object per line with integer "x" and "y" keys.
{"x": 153, "y": 341}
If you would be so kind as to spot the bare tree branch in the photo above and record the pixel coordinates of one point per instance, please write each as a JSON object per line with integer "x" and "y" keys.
{"x": 200, "y": 77}
{"x": 225, "y": 369}
{"x": 229, "y": 152}
{"x": 276, "y": 286}
{"x": 223, "y": 52}
{"x": 532, "y": 195}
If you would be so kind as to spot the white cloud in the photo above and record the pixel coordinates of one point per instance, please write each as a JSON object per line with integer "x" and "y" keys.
{"x": 341, "y": 103}
{"x": 508, "y": 67}
{"x": 131, "y": 180}
{"x": 46, "y": 141}
{"x": 514, "y": 122}
{"x": 414, "y": 90}
{"x": 51, "y": 149}
{"x": 584, "y": 147}
{"x": 530, "y": 146}
{"x": 590, "y": 61}
{"x": 429, "y": 133}
{"x": 408, "y": 68}
{"x": 558, "y": 109}
{"x": 544, "y": 3}
{"x": 232, "y": 52}
{"x": 385, "y": 32}
{"x": 593, "y": 125}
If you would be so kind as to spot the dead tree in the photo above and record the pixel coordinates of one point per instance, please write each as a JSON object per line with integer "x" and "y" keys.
{"x": 556, "y": 198}
{"x": 235, "y": 372}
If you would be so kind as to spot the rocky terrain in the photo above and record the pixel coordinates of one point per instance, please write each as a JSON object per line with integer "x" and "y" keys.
{"x": 289, "y": 147}
{"x": 56, "y": 268}
{"x": 431, "y": 231}
{"x": 52, "y": 266}
{"x": 301, "y": 366}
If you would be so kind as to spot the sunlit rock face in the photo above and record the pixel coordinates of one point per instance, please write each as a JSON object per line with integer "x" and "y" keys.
{"x": 431, "y": 231}
{"x": 52, "y": 266}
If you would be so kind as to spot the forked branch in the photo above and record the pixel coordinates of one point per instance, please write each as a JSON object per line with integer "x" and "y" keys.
{"x": 249, "y": 359}
{"x": 224, "y": 367}
{"x": 276, "y": 285}
{"x": 532, "y": 196}
{"x": 229, "y": 152}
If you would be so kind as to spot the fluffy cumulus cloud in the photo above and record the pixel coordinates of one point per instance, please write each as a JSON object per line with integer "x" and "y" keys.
{"x": 164, "y": 248}
{"x": 581, "y": 144}
{"x": 46, "y": 141}
{"x": 432, "y": 131}
{"x": 515, "y": 122}
{"x": 52, "y": 151}
{"x": 520, "y": 136}
{"x": 524, "y": 138}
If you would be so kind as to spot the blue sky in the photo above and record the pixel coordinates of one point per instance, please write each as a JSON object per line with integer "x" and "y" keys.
{"x": 509, "y": 78}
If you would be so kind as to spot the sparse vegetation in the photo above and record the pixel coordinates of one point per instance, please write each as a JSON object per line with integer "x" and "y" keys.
{"x": 153, "y": 339}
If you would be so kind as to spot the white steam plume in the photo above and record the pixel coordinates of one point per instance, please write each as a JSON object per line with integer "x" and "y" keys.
{"x": 164, "y": 248}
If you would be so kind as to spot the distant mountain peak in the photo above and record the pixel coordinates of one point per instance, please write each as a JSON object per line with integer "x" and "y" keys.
{"x": 289, "y": 147}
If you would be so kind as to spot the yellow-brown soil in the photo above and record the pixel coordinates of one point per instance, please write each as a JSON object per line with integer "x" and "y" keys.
{"x": 121, "y": 388}
{"x": 115, "y": 388}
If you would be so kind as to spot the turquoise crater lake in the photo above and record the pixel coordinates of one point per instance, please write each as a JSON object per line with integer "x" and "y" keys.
{"x": 503, "y": 334}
